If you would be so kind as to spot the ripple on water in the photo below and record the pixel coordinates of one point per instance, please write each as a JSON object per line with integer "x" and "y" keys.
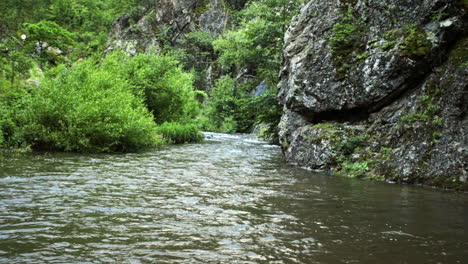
{"x": 231, "y": 199}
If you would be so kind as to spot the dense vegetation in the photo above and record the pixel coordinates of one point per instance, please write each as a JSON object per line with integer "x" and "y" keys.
{"x": 250, "y": 58}
{"x": 58, "y": 91}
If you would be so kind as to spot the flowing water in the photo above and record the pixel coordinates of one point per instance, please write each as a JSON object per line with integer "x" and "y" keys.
{"x": 231, "y": 199}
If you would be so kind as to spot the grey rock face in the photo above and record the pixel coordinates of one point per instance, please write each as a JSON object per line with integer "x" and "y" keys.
{"x": 388, "y": 74}
{"x": 215, "y": 19}
{"x": 316, "y": 78}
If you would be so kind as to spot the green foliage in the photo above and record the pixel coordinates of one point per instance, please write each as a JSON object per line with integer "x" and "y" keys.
{"x": 228, "y": 112}
{"x": 14, "y": 64}
{"x": 97, "y": 105}
{"x": 103, "y": 107}
{"x": 325, "y": 126}
{"x": 200, "y": 42}
{"x": 437, "y": 135}
{"x": 439, "y": 121}
{"x": 344, "y": 35}
{"x": 177, "y": 133}
{"x": 4, "y": 116}
{"x": 90, "y": 20}
{"x": 356, "y": 167}
{"x": 429, "y": 112}
{"x": 50, "y": 32}
{"x": 414, "y": 117}
{"x": 197, "y": 54}
{"x": 390, "y": 38}
{"x": 268, "y": 111}
{"x": 349, "y": 145}
{"x": 346, "y": 41}
{"x": 251, "y": 51}
{"x": 48, "y": 41}
{"x": 362, "y": 56}
{"x": 16, "y": 12}
{"x": 255, "y": 48}
{"x": 221, "y": 107}
{"x": 385, "y": 153}
{"x": 85, "y": 109}
{"x": 256, "y": 44}
{"x": 438, "y": 15}
{"x": 167, "y": 90}
{"x": 53, "y": 21}
{"x": 415, "y": 43}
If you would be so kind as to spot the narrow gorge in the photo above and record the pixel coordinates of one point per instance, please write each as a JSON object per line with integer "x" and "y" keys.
{"x": 367, "y": 88}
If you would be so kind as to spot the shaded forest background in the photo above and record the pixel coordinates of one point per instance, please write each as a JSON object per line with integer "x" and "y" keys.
{"x": 61, "y": 90}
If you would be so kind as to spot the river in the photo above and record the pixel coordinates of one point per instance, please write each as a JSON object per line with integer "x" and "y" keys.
{"x": 232, "y": 199}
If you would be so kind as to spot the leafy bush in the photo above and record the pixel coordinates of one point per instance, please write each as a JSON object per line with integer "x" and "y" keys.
{"x": 251, "y": 52}
{"x": 85, "y": 109}
{"x": 14, "y": 65}
{"x": 222, "y": 107}
{"x": 3, "y": 121}
{"x": 355, "y": 169}
{"x": 166, "y": 89}
{"x": 8, "y": 128}
{"x": 257, "y": 43}
{"x": 179, "y": 133}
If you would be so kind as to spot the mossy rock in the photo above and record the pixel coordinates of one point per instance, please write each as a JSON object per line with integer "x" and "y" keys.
{"x": 415, "y": 43}
{"x": 346, "y": 42}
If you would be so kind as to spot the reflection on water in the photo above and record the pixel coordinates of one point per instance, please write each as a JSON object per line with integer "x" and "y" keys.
{"x": 229, "y": 200}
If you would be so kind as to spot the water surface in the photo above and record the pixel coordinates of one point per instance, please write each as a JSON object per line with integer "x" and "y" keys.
{"x": 231, "y": 199}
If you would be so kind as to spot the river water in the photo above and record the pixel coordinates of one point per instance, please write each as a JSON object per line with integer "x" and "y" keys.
{"x": 231, "y": 199}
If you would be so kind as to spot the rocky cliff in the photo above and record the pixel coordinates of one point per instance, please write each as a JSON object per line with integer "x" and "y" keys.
{"x": 378, "y": 89}
{"x": 167, "y": 22}
{"x": 185, "y": 28}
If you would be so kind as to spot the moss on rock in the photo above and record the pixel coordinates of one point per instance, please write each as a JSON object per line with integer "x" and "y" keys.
{"x": 415, "y": 43}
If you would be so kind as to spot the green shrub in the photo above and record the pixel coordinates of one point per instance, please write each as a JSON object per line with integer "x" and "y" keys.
{"x": 355, "y": 169}
{"x": 177, "y": 133}
{"x": 221, "y": 107}
{"x": 85, "y": 109}
{"x": 8, "y": 128}
{"x": 3, "y": 122}
{"x": 166, "y": 89}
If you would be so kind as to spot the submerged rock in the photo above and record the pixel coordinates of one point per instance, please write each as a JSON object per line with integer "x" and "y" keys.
{"x": 378, "y": 89}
